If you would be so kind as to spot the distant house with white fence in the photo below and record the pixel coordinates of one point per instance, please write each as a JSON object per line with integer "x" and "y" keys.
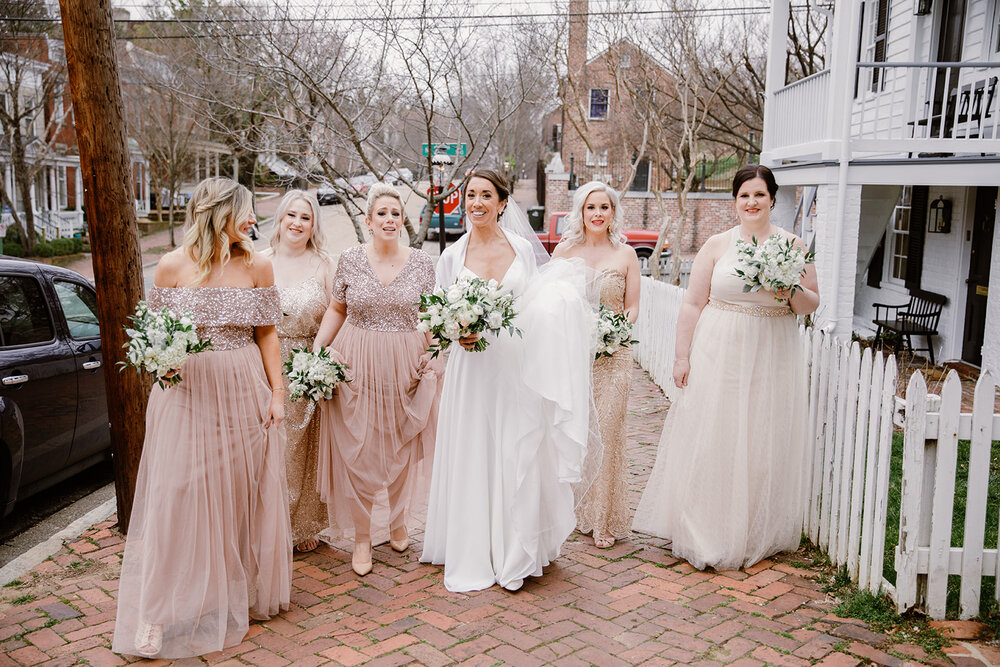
{"x": 889, "y": 162}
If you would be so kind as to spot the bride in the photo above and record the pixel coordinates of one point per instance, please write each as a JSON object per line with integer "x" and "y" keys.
{"x": 514, "y": 444}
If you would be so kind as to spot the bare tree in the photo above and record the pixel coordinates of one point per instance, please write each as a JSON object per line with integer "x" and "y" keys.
{"x": 32, "y": 105}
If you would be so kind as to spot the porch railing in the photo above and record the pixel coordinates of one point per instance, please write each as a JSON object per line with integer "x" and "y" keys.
{"x": 927, "y": 107}
{"x": 798, "y": 114}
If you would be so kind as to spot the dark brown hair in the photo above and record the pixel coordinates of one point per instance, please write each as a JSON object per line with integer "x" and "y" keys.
{"x": 752, "y": 171}
{"x": 498, "y": 180}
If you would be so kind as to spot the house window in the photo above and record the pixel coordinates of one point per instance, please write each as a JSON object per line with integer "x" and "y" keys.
{"x": 556, "y": 136}
{"x": 991, "y": 40}
{"x": 877, "y": 30}
{"x": 598, "y": 103}
{"x": 626, "y": 60}
{"x": 599, "y": 159}
{"x": 899, "y": 237}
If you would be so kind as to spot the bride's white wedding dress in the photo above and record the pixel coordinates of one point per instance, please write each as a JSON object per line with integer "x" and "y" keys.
{"x": 513, "y": 431}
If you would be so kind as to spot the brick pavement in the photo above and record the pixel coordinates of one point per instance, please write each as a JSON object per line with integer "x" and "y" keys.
{"x": 632, "y": 604}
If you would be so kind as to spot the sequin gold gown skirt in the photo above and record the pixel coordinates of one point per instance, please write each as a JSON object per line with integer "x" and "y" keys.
{"x": 604, "y": 510}
{"x": 727, "y": 484}
{"x": 209, "y": 545}
{"x": 377, "y": 433}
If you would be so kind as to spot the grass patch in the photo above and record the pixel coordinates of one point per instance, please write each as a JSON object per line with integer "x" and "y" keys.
{"x": 13, "y": 583}
{"x": 987, "y": 606}
{"x": 23, "y": 599}
{"x": 879, "y": 613}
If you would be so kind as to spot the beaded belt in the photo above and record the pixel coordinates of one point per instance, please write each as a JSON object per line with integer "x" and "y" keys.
{"x": 754, "y": 310}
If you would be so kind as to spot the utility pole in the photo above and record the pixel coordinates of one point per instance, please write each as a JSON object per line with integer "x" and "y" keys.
{"x": 88, "y": 31}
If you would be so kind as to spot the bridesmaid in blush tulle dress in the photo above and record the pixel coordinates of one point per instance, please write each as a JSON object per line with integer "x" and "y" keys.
{"x": 593, "y": 234}
{"x": 726, "y": 488}
{"x": 302, "y": 274}
{"x": 208, "y": 545}
{"x": 377, "y": 432}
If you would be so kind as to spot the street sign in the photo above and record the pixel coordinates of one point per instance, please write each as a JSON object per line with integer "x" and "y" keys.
{"x": 452, "y": 202}
{"x": 454, "y": 150}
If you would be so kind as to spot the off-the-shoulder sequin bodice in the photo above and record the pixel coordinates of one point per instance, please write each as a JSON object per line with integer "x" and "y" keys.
{"x": 613, "y": 289}
{"x": 226, "y": 315}
{"x": 372, "y": 305}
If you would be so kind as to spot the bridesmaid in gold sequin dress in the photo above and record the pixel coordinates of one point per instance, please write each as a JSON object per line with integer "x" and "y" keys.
{"x": 209, "y": 545}
{"x": 593, "y": 233}
{"x": 302, "y": 274}
{"x": 377, "y": 432}
{"x": 726, "y": 488}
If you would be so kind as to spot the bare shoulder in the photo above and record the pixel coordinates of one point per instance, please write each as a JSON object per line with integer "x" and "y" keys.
{"x": 262, "y": 270}
{"x": 170, "y": 268}
{"x": 562, "y": 249}
{"x": 715, "y": 245}
{"x": 627, "y": 253}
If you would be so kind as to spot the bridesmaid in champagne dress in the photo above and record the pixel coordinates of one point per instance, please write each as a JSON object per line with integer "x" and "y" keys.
{"x": 302, "y": 275}
{"x": 377, "y": 432}
{"x": 726, "y": 487}
{"x": 593, "y": 233}
{"x": 209, "y": 545}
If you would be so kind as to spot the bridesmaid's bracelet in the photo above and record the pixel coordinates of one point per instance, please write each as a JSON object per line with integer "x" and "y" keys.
{"x": 274, "y": 389}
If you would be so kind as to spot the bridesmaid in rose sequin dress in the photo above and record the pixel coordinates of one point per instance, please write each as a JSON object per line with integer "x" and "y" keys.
{"x": 209, "y": 545}
{"x": 377, "y": 432}
{"x": 302, "y": 274}
{"x": 593, "y": 231}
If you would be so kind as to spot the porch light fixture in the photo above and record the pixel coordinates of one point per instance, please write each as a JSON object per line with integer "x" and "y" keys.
{"x": 922, "y": 7}
{"x": 939, "y": 216}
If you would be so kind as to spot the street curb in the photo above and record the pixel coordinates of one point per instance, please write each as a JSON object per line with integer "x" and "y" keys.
{"x": 38, "y": 553}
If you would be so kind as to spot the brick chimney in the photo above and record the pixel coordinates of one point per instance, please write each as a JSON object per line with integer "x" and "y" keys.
{"x": 577, "y": 51}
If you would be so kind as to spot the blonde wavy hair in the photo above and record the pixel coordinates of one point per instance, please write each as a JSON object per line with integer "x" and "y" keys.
{"x": 574, "y": 222}
{"x": 214, "y": 203}
{"x": 317, "y": 240}
{"x": 382, "y": 190}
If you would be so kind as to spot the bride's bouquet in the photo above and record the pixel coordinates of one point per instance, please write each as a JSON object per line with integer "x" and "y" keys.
{"x": 775, "y": 264}
{"x": 614, "y": 330}
{"x": 313, "y": 375}
{"x": 160, "y": 343}
{"x": 470, "y": 306}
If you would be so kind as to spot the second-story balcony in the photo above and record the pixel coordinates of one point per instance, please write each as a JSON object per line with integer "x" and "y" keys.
{"x": 898, "y": 109}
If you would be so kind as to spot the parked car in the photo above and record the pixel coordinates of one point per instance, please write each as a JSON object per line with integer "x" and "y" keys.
{"x": 53, "y": 412}
{"x": 454, "y": 223}
{"x": 643, "y": 240}
{"x": 326, "y": 194}
{"x": 363, "y": 182}
{"x": 399, "y": 176}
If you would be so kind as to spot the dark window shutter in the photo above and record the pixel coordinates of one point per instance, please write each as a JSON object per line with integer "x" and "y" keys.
{"x": 878, "y": 74}
{"x": 875, "y": 266}
{"x": 861, "y": 40}
{"x": 918, "y": 229}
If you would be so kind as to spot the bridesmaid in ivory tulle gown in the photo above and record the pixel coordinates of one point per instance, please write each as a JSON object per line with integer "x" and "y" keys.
{"x": 377, "y": 432}
{"x": 726, "y": 488}
{"x": 302, "y": 274}
{"x": 209, "y": 545}
{"x": 593, "y": 233}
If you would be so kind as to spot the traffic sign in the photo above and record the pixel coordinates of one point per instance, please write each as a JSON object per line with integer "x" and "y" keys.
{"x": 454, "y": 150}
{"x": 453, "y": 200}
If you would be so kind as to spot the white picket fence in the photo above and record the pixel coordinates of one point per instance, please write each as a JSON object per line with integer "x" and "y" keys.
{"x": 852, "y": 405}
{"x": 932, "y": 426}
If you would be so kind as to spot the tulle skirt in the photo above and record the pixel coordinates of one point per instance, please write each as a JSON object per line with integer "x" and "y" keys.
{"x": 209, "y": 544}
{"x": 726, "y": 487}
{"x": 377, "y": 434}
{"x": 515, "y": 447}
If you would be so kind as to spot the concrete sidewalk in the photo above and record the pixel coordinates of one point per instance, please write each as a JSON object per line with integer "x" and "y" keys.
{"x": 632, "y": 604}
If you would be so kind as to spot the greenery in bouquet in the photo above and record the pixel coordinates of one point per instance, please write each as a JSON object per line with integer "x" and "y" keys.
{"x": 313, "y": 375}
{"x": 469, "y": 306}
{"x": 160, "y": 342}
{"x": 614, "y": 331}
{"x": 773, "y": 265}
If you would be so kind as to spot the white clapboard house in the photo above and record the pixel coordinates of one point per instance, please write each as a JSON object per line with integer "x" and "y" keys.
{"x": 889, "y": 162}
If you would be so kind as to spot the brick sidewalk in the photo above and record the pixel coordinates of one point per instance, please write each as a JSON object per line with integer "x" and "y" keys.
{"x": 633, "y": 604}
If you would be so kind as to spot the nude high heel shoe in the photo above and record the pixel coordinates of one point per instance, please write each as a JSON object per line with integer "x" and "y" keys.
{"x": 361, "y": 559}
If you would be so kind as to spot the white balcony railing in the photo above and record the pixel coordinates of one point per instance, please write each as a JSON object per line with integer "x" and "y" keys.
{"x": 799, "y": 112}
{"x": 927, "y": 107}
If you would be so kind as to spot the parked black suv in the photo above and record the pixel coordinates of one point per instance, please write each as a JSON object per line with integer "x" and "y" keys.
{"x": 53, "y": 413}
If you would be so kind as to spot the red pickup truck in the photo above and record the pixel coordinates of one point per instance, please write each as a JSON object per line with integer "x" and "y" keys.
{"x": 643, "y": 240}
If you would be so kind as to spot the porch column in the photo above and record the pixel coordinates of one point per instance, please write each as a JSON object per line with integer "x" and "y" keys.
{"x": 837, "y": 232}
{"x": 78, "y": 187}
{"x": 775, "y": 76}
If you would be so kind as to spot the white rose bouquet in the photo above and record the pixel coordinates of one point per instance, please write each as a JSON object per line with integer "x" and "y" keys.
{"x": 775, "y": 264}
{"x": 313, "y": 375}
{"x": 470, "y": 306}
{"x": 614, "y": 330}
{"x": 160, "y": 343}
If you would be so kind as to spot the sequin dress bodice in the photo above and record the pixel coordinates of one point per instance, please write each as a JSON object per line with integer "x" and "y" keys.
{"x": 226, "y": 315}
{"x": 613, "y": 289}
{"x": 302, "y": 308}
{"x": 372, "y": 305}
